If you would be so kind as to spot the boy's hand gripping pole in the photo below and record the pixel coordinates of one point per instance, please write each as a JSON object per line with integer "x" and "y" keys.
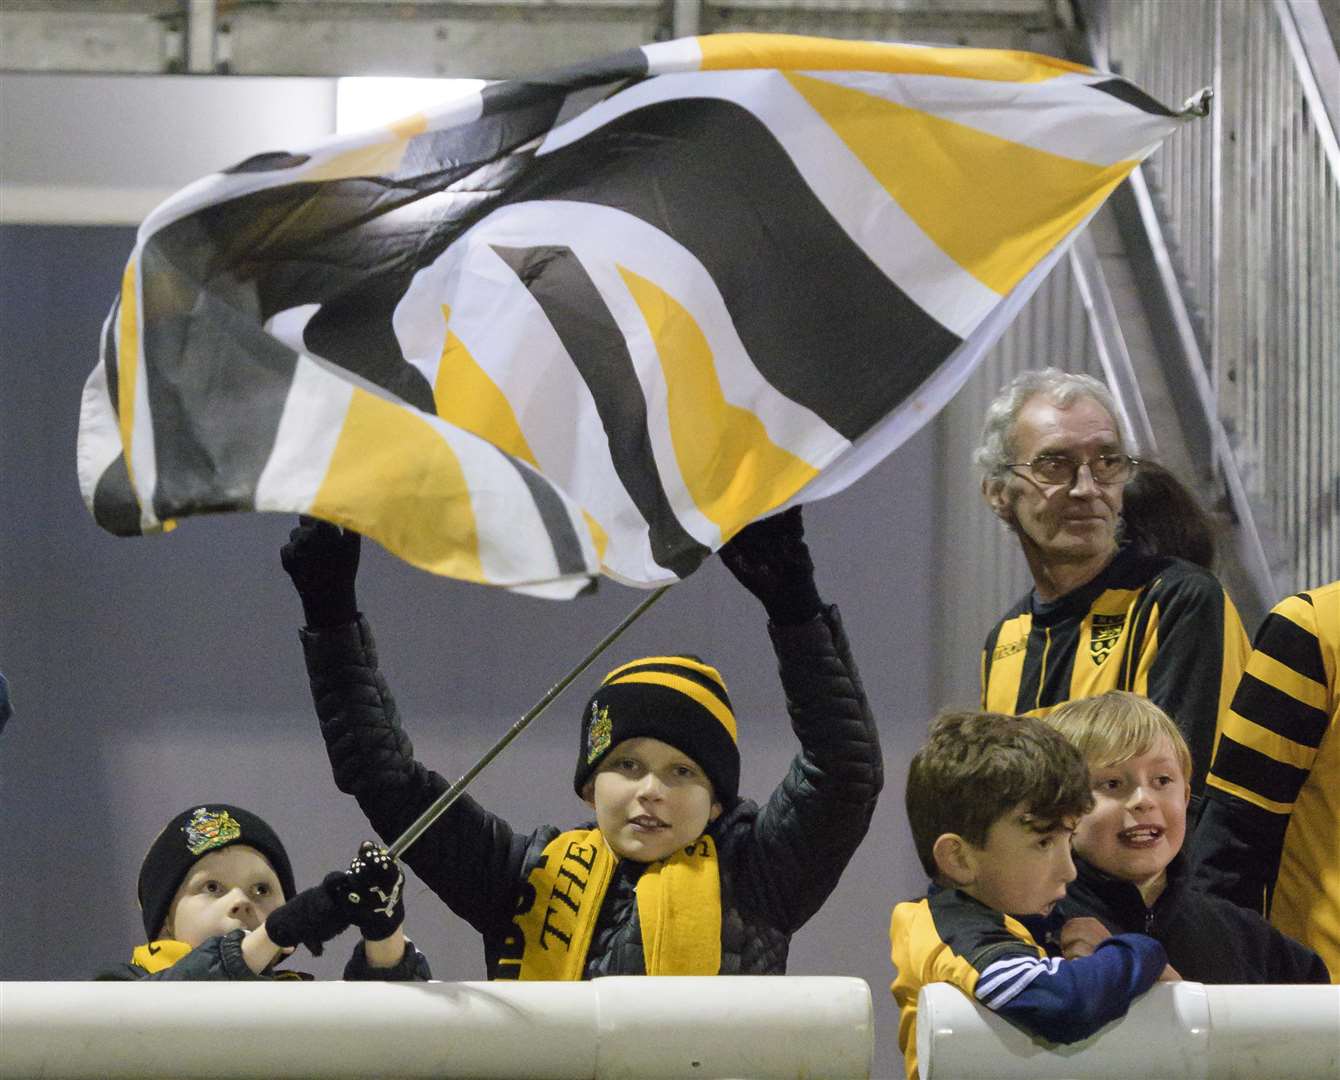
{"x": 443, "y": 801}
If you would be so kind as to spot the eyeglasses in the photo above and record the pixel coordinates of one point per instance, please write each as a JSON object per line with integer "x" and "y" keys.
{"x": 1060, "y": 469}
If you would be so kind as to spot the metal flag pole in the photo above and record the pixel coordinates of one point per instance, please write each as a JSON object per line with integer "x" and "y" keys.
{"x": 443, "y": 801}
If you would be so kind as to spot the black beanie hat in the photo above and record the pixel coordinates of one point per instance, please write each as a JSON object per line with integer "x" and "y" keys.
{"x": 677, "y": 699}
{"x": 195, "y": 833}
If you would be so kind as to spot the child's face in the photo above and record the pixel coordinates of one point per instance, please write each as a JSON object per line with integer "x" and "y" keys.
{"x": 1020, "y": 870}
{"x": 234, "y": 887}
{"x": 1138, "y": 821}
{"x": 650, "y": 800}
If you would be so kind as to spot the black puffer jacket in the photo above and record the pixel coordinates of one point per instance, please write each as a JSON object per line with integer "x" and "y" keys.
{"x": 220, "y": 959}
{"x": 778, "y": 863}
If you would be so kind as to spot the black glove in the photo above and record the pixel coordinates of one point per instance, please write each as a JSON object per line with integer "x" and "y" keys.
{"x": 312, "y": 917}
{"x": 770, "y": 559}
{"x": 369, "y": 895}
{"x": 373, "y": 892}
{"x": 322, "y": 560}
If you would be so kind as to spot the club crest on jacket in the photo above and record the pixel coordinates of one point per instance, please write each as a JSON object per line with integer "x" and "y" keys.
{"x": 1106, "y": 630}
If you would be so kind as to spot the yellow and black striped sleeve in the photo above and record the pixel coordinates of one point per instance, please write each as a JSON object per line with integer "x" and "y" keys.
{"x": 1284, "y": 707}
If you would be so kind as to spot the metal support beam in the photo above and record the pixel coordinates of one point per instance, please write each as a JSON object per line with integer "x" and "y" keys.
{"x": 458, "y": 38}
{"x": 1111, "y": 343}
{"x": 1184, "y": 366}
{"x": 688, "y": 18}
{"x": 201, "y": 30}
{"x": 1303, "y": 25}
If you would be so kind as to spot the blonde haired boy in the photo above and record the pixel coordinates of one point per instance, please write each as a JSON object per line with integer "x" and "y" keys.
{"x": 677, "y": 875}
{"x": 1131, "y": 874}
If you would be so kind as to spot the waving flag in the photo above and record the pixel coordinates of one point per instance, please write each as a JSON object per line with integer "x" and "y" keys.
{"x": 599, "y": 320}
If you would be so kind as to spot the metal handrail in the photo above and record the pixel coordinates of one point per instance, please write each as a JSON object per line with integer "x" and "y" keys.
{"x": 1304, "y": 28}
{"x": 1110, "y": 342}
{"x": 1247, "y": 245}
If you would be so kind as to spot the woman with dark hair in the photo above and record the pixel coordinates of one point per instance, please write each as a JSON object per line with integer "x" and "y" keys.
{"x": 1163, "y": 517}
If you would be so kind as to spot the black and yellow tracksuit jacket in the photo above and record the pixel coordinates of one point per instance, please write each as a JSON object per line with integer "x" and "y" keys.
{"x": 1153, "y": 625}
{"x": 1269, "y": 838}
{"x": 996, "y": 960}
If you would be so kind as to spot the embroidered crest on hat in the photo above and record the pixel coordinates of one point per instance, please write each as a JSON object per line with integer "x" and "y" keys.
{"x": 208, "y": 829}
{"x": 598, "y": 740}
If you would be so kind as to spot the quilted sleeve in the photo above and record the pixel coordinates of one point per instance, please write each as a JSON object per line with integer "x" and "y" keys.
{"x": 470, "y": 858}
{"x": 817, "y": 817}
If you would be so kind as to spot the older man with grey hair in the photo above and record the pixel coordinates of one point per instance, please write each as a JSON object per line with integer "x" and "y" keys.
{"x": 1100, "y": 616}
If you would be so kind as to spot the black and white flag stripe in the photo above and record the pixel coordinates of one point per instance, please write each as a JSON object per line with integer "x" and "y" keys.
{"x": 599, "y": 320}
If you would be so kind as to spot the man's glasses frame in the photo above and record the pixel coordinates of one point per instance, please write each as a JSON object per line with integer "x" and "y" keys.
{"x": 1054, "y": 469}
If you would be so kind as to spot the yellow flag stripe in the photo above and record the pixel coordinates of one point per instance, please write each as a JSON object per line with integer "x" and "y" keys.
{"x": 688, "y": 687}
{"x": 798, "y": 53}
{"x": 379, "y": 159}
{"x": 599, "y": 536}
{"x": 393, "y": 477}
{"x": 732, "y": 470}
{"x": 127, "y": 366}
{"x": 467, "y": 396}
{"x": 997, "y": 220}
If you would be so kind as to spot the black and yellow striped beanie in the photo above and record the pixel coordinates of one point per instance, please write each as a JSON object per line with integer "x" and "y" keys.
{"x": 677, "y": 699}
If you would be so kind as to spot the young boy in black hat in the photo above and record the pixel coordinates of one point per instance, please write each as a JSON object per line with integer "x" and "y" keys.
{"x": 678, "y": 875}
{"x": 218, "y": 900}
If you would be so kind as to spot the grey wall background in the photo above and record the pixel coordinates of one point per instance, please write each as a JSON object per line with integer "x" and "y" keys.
{"x": 154, "y": 672}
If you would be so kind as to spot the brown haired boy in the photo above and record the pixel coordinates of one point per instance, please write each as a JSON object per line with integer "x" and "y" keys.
{"x": 992, "y": 801}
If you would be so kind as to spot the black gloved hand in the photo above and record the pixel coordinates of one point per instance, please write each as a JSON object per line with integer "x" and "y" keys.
{"x": 312, "y": 917}
{"x": 770, "y": 559}
{"x": 322, "y": 560}
{"x": 373, "y": 892}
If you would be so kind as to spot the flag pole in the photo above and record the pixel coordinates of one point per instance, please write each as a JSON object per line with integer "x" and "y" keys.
{"x": 443, "y": 801}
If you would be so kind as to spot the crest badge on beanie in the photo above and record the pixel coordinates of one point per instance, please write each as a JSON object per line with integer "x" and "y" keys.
{"x": 191, "y": 835}
{"x": 209, "y": 829}
{"x": 598, "y": 733}
{"x": 678, "y": 700}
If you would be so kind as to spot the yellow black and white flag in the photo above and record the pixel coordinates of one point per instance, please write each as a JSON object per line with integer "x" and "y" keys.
{"x": 597, "y": 321}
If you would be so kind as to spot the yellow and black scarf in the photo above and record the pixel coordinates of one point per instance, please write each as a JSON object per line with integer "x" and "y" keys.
{"x": 156, "y": 956}
{"x": 678, "y": 907}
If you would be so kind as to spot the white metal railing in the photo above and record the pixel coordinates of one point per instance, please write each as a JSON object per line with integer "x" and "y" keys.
{"x": 1186, "y": 1030}
{"x": 750, "y": 1026}
{"x": 1251, "y": 207}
